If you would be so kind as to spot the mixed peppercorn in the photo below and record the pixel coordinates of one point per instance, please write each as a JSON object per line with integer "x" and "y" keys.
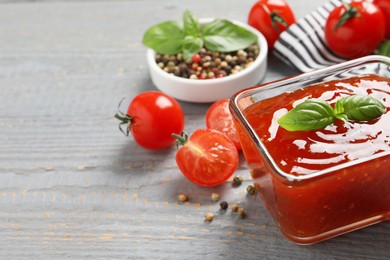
{"x": 235, "y": 208}
{"x": 208, "y": 64}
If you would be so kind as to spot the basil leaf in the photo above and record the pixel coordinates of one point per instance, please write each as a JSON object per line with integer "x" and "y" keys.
{"x": 384, "y": 48}
{"x": 191, "y": 45}
{"x": 312, "y": 114}
{"x": 362, "y": 107}
{"x": 191, "y": 24}
{"x": 225, "y": 36}
{"x": 343, "y": 117}
{"x": 338, "y": 111}
{"x": 164, "y": 38}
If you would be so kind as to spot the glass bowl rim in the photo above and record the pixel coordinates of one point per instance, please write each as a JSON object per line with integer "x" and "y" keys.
{"x": 278, "y": 83}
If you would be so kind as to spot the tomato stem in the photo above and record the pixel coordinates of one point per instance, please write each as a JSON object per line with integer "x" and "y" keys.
{"x": 181, "y": 139}
{"x": 125, "y": 120}
{"x": 275, "y": 18}
{"x": 350, "y": 13}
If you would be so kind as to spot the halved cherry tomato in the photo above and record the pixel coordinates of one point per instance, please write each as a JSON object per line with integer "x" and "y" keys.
{"x": 271, "y": 18}
{"x": 152, "y": 117}
{"x": 218, "y": 117}
{"x": 207, "y": 157}
{"x": 354, "y": 30}
{"x": 384, "y": 5}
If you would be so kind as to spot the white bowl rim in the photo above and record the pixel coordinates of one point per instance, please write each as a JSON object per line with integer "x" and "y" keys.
{"x": 259, "y": 59}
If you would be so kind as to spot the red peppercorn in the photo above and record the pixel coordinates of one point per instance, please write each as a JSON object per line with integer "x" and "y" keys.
{"x": 196, "y": 58}
{"x": 202, "y": 76}
{"x": 219, "y": 75}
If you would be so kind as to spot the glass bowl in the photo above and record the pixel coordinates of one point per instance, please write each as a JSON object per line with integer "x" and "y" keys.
{"x": 324, "y": 203}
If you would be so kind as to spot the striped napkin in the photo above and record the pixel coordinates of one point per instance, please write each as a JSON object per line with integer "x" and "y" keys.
{"x": 303, "y": 44}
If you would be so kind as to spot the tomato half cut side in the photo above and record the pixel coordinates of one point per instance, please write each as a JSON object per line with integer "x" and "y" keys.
{"x": 218, "y": 117}
{"x": 207, "y": 157}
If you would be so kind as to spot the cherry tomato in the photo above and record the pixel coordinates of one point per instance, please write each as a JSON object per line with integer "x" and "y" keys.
{"x": 207, "y": 158}
{"x": 218, "y": 117}
{"x": 384, "y": 5}
{"x": 152, "y": 117}
{"x": 271, "y": 18}
{"x": 354, "y": 30}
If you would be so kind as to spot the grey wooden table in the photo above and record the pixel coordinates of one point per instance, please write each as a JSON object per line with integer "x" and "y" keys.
{"x": 72, "y": 186}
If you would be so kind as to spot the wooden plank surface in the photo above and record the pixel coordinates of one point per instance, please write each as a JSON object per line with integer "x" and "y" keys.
{"x": 72, "y": 186}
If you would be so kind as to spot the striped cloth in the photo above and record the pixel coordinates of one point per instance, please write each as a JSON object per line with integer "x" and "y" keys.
{"x": 303, "y": 44}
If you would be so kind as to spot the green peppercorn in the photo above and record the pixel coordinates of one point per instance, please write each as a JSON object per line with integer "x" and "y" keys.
{"x": 237, "y": 180}
{"x": 251, "y": 189}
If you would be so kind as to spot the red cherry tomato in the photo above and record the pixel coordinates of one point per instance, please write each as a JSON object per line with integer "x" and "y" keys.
{"x": 354, "y": 30}
{"x": 384, "y": 5}
{"x": 271, "y": 18}
{"x": 218, "y": 117}
{"x": 207, "y": 158}
{"x": 152, "y": 117}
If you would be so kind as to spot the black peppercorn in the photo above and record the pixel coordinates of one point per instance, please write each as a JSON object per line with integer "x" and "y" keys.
{"x": 224, "y": 205}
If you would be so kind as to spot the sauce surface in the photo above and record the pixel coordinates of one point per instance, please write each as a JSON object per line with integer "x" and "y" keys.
{"x": 304, "y": 152}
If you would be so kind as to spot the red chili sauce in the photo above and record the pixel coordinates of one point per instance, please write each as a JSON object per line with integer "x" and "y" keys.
{"x": 327, "y": 205}
{"x": 304, "y": 152}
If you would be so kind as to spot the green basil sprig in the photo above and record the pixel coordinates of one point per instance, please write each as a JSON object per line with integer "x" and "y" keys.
{"x": 314, "y": 114}
{"x": 219, "y": 35}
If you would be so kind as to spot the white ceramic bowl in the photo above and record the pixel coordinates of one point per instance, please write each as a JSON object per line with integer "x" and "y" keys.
{"x": 210, "y": 90}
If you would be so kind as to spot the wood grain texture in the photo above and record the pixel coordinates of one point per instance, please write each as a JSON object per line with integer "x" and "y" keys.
{"x": 71, "y": 186}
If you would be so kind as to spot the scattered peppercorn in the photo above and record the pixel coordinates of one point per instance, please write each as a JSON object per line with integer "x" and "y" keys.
{"x": 215, "y": 196}
{"x": 241, "y": 213}
{"x": 237, "y": 180}
{"x": 224, "y": 205}
{"x": 209, "y": 217}
{"x": 251, "y": 189}
{"x": 235, "y": 207}
{"x": 208, "y": 64}
{"x": 182, "y": 197}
